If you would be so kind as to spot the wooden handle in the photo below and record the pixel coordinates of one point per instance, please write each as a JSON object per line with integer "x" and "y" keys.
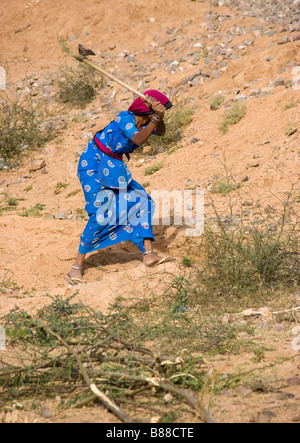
{"x": 115, "y": 79}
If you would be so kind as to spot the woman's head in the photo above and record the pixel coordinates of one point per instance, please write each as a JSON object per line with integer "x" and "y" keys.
{"x": 139, "y": 107}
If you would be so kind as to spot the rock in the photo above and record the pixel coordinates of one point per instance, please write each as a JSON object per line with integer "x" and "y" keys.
{"x": 3, "y": 184}
{"x": 194, "y": 140}
{"x": 36, "y": 165}
{"x": 245, "y": 179}
{"x": 242, "y": 391}
{"x": 86, "y": 136}
{"x": 60, "y": 215}
{"x": 46, "y": 413}
{"x": 283, "y": 41}
{"x": 264, "y": 417}
{"x": 72, "y": 37}
{"x": 48, "y": 217}
{"x": 284, "y": 396}
{"x": 278, "y": 82}
{"x": 291, "y": 132}
{"x": 240, "y": 98}
{"x": 168, "y": 398}
{"x": 293, "y": 381}
{"x": 295, "y": 330}
{"x": 253, "y": 165}
{"x": 44, "y": 171}
{"x": 289, "y": 84}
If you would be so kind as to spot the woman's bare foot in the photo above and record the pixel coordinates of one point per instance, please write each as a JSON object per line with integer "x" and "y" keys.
{"x": 151, "y": 259}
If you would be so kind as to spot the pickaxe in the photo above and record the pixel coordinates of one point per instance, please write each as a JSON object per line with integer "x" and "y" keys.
{"x": 81, "y": 57}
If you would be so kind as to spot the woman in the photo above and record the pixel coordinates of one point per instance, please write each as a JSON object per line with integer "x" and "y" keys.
{"x": 119, "y": 208}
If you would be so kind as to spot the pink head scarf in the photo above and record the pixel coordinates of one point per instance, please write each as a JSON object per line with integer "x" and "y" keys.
{"x": 139, "y": 107}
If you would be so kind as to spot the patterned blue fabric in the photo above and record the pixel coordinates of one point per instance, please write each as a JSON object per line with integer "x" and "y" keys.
{"x": 118, "y": 134}
{"x": 119, "y": 209}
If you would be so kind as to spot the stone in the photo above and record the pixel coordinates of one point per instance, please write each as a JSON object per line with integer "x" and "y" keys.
{"x": 72, "y": 37}
{"x": 283, "y": 41}
{"x": 60, "y": 215}
{"x": 46, "y": 413}
{"x": 240, "y": 98}
{"x": 168, "y": 398}
{"x": 253, "y": 165}
{"x": 278, "y": 82}
{"x": 86, "y": 136}
{"x": 264, "y": 417}
{"x": 295, "y": 330}
{"x": 242, "y": 391}
{"x": 3, "y": 184}
{"x": 293, "y": 381}
{"x": 36, "y": 165}
{"x": 284, "y": 396}
{"x": 245, "y": 179}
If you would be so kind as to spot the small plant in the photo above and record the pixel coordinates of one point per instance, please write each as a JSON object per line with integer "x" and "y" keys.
{"x": 9, "y": 203}
{"x": 187, "y": 262}
{"x": 154, "y": 168}
{"x": 146, "y": 184}
{"x": 171, "y": 151}
{"x": 22, "y": 127}
{"x": 59, "y": 187}
{"x": 290, "y": 105}
{"x": 216, "y": 102}
{"x": 224, "y": 187}
{"x": 175, "y": 119}
{"x": 73, "y": 193}
{"x": 259, "y": 354}
{"x": 34, "y": 211}
{"x": 232, "y": 117}
{"x": 78, "y": 87}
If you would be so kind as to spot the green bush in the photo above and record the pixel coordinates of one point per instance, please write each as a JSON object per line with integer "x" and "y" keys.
{"x": 22, "y": 127}
{"x": 175, "y": 119}
{"x": 78, "y": 87}
{"x": 233, "y": 116}
{"x": 154, "y": 168}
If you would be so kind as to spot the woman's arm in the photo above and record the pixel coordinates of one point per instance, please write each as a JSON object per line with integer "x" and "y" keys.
{"x": 141, "y": 137}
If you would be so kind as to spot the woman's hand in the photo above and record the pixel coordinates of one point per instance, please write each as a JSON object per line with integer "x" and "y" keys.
{"x": 156, "y": 106}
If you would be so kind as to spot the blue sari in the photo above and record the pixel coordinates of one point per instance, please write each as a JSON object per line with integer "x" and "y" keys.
{"x": 118, "y": 207}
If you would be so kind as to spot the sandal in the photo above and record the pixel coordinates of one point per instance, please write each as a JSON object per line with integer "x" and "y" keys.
{"x": 72, "y": 280}
{"x": 160, "y": 261}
